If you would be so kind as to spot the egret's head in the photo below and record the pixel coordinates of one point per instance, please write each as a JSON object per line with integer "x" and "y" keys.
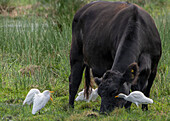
{"x": 121, "y": 95}
{"x": 113, "y": 83}
{"x": 48, "y": 93}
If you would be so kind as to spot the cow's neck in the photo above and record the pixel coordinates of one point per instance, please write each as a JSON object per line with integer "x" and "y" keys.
{"x": 127, "y": 53}
{"x": 129, "y": 48}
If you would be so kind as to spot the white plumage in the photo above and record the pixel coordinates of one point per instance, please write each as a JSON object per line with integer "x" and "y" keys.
{"x": 92, "y": 96}
{"x": 136, "y": 97}
{"x": 40, "y": 100}
{"x": 30, "y": 96}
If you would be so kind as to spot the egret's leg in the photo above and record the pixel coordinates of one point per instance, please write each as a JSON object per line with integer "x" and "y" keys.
{"x": 30, "y": 105}
{"x": 136, "y": 104}
{"x": 39, "y": 112}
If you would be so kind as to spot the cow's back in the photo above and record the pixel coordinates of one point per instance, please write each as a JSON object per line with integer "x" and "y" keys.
{"x": 100, "y": 27}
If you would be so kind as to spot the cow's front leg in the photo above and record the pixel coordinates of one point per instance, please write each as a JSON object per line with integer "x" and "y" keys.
{"x": 75, "y": 80}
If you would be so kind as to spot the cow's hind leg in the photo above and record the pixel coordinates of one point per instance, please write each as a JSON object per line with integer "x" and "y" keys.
{"x": 75, "y": 80}
{"x": 150, "y": 80}
{"x": 144, "y": 74}
{"x": 143, "y": 82}
{"x": 147, "y": 91}
{"x": 77, "y": 65}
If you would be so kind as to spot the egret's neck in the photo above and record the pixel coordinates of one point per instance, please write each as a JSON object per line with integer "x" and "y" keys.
{"x": 125, "y": 97}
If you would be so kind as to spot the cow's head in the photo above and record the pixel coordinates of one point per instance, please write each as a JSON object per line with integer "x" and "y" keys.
{"x": 112, "y": 83}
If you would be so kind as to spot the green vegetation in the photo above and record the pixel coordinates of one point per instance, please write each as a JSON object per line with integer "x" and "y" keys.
{"x": 34, "y": 53}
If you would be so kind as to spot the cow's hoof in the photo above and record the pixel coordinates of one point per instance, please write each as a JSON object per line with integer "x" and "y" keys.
{"x": 92, "y": 114}
{"x": 95, "y": 110}
{"x": 144, "y": 107}
{"x": 104, "y": 113}
{"x": 71, "y": 106}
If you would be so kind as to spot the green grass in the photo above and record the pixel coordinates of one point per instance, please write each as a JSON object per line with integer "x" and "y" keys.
{"x": 42, "y": 45}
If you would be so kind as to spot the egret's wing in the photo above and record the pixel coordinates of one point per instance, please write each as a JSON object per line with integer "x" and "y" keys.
{"x": 81, "y": 93}
{"x": 135, "y": 97}
{"x": 95, "y": 90}
{"x": 80, "y": 98}
{"x": 39, "y": 102}
{"x": 94, "y": 96}
{"x": 142, "y": 99}
{"x": 90, "y": 96}
{"x": 139, "y": 97}
{"x": 92, "y": 90}
{"x": 30, "y": 96}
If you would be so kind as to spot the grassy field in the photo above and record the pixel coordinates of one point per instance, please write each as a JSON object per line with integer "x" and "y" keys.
{"x": 34, "y": 53}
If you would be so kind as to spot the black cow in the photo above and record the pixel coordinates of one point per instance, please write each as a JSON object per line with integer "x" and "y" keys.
{"x": 121, "y": 44}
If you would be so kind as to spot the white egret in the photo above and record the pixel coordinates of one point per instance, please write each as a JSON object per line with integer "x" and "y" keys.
{"x": 30, "y": 96}
{"x": 40, "y": 100}
{"x": 92, "y": 96}
{"x": 136, "y": 97}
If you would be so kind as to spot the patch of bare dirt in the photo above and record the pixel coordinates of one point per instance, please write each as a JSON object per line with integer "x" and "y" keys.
{"x": 29, "y": 70}
{"x": 17, "y": 11}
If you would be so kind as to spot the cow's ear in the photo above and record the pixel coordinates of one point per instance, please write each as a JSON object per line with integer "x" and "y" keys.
{"x": 97, "y": 80}
{"x": 131, "y": 74}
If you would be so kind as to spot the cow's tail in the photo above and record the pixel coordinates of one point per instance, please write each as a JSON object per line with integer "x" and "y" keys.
{"x": 88, "y": 84}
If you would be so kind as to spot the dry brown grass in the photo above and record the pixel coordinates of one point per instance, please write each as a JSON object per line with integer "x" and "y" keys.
{"x": 29, "y": 70}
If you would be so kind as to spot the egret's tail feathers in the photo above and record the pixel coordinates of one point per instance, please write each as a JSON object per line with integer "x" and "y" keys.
{"x": 77, "y": 99}
{"x": 80, "y": 98}
{"x": 33, "y": 112}
{"x": 150, "y": 100}
{"x": 24, "y": 103}
{"x": 81, "y": 93}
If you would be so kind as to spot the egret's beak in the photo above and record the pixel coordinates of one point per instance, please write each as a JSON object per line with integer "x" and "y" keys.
{"x": 51, "y": 99}
{"x": 116, "y": 96}
{"x": 50, "y": 96}
{"x": 51, "y": 91}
